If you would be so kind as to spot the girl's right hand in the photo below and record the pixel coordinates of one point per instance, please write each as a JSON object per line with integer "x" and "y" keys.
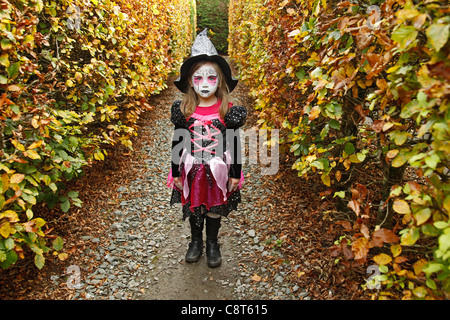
{"x": 177, "y": 183}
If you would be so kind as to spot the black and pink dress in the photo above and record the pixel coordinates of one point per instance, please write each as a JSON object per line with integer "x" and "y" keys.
{"x": 205, "y": 153}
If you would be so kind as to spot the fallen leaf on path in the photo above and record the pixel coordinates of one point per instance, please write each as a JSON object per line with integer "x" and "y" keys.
{"x": 255, "y": 277}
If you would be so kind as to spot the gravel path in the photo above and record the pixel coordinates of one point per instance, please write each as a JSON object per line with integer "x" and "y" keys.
{"x": 141, "y": 253}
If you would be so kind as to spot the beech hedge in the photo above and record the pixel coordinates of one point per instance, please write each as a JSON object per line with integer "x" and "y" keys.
{"x": 360, "y": 93}
{"x": 75, "y": 75}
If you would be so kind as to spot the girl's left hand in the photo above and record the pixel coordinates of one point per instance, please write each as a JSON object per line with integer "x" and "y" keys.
{"x": 233, "y": 184}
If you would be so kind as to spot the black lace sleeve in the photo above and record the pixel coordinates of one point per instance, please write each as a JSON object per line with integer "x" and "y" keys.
{"x": 235, "y": 117}
{"x": 179, "y": 120}
{"x": 176, "y": 116}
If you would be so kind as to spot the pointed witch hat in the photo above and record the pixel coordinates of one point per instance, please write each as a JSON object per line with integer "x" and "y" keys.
{"x": 203, "y": 49}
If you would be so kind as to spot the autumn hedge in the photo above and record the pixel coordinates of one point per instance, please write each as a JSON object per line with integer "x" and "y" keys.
{"x": 74, "y": 77}
{"x": 360, "y": 92}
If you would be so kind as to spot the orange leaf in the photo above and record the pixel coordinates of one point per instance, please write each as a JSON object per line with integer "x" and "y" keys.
{"x": 315, "y": 112}
{"x": 392, "y": 153}
{"x": 354, "y": 205}
{"x": 256, "y": 277}
{"x": 360, "y": 247}
{"x": 386, "y": 235}
{"x": 418, "y": 266}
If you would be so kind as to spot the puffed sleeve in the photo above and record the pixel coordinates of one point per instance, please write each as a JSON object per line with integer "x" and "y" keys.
{"x": 235, "y": 117}
{"x": 179, "y": 120}
{"x": 176, "y": 116}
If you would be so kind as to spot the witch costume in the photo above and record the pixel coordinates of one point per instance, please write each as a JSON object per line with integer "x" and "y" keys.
{"x": 205, "y": 154}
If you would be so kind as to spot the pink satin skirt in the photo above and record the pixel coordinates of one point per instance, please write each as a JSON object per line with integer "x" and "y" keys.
{"x": 204, "y": 184}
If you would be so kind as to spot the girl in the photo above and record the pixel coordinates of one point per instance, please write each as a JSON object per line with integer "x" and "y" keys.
{"x": 206, "y": 174}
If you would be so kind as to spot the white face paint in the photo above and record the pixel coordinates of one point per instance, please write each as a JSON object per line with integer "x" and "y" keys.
{"x": 205, "y": 81}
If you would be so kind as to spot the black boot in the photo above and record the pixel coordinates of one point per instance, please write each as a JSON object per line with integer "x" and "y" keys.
{"x": 196, "y": 245}
{"x": 213, "y": 257}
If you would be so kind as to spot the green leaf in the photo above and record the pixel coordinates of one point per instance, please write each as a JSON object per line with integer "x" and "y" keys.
{"x": 400, "y": 159}
{"x": 399, "y": 137}
{"x": 300, "y": 74}
{"x": 441, "y": 224}
{"x": 72, "y": 194}
{"x": 334, "y": 124}
{"x": 324, "y": 131}
{"x": 6, "y": 44}
{"x": 444, "y": 242}
{"x": 9, "y": 243}
{"x": 422, "y": 215}
{"x": 58, "y": 243}
{"x": 431, "y": 284}
{"x": 432, "y": 161}
{"x": 349, "y": 148}
{"x": 409, "y": 236}
{"x": 404, "y": 36}
{"x": 11, "y": 258}
{"x": 65, "y": 205}
{"x": 13, "y": 70}
{"x": 433, "y": 267}
{"x": 53, "y": 186}
{"x": 437, "y": 35}
{"x": 39, "y": 261}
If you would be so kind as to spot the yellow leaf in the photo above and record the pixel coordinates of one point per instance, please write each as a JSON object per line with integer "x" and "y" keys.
{"x": 63, "y": 256}
{"x": 32, "y": 154}
{"x": 17, "y": 178}
{"x": 315, "y": 112}
{"x": 354, "y": 159}
{"x": 18, "y": 145}
{"x": 5, "y": 182}
{"x": 326, "y": 179}
{"x": 396, "y": 249}
{"x": 311, "y": 158}
{"x": 11, "y": 215}
{"x": 6, "y": 230}
{"x": 347, "y": 164}
{"x": 78, "y": 76}
{"x": 35, "y": 123}
{"x": 418, "y": 266}
{"x": 35, "y": 145}
{"x": 401, "y": 206}
{"x": 39, "y": 222}
{"x": 382, "y": 259}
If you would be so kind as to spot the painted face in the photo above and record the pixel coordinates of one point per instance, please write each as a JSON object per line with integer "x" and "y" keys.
{"x": 205, "y": 81}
